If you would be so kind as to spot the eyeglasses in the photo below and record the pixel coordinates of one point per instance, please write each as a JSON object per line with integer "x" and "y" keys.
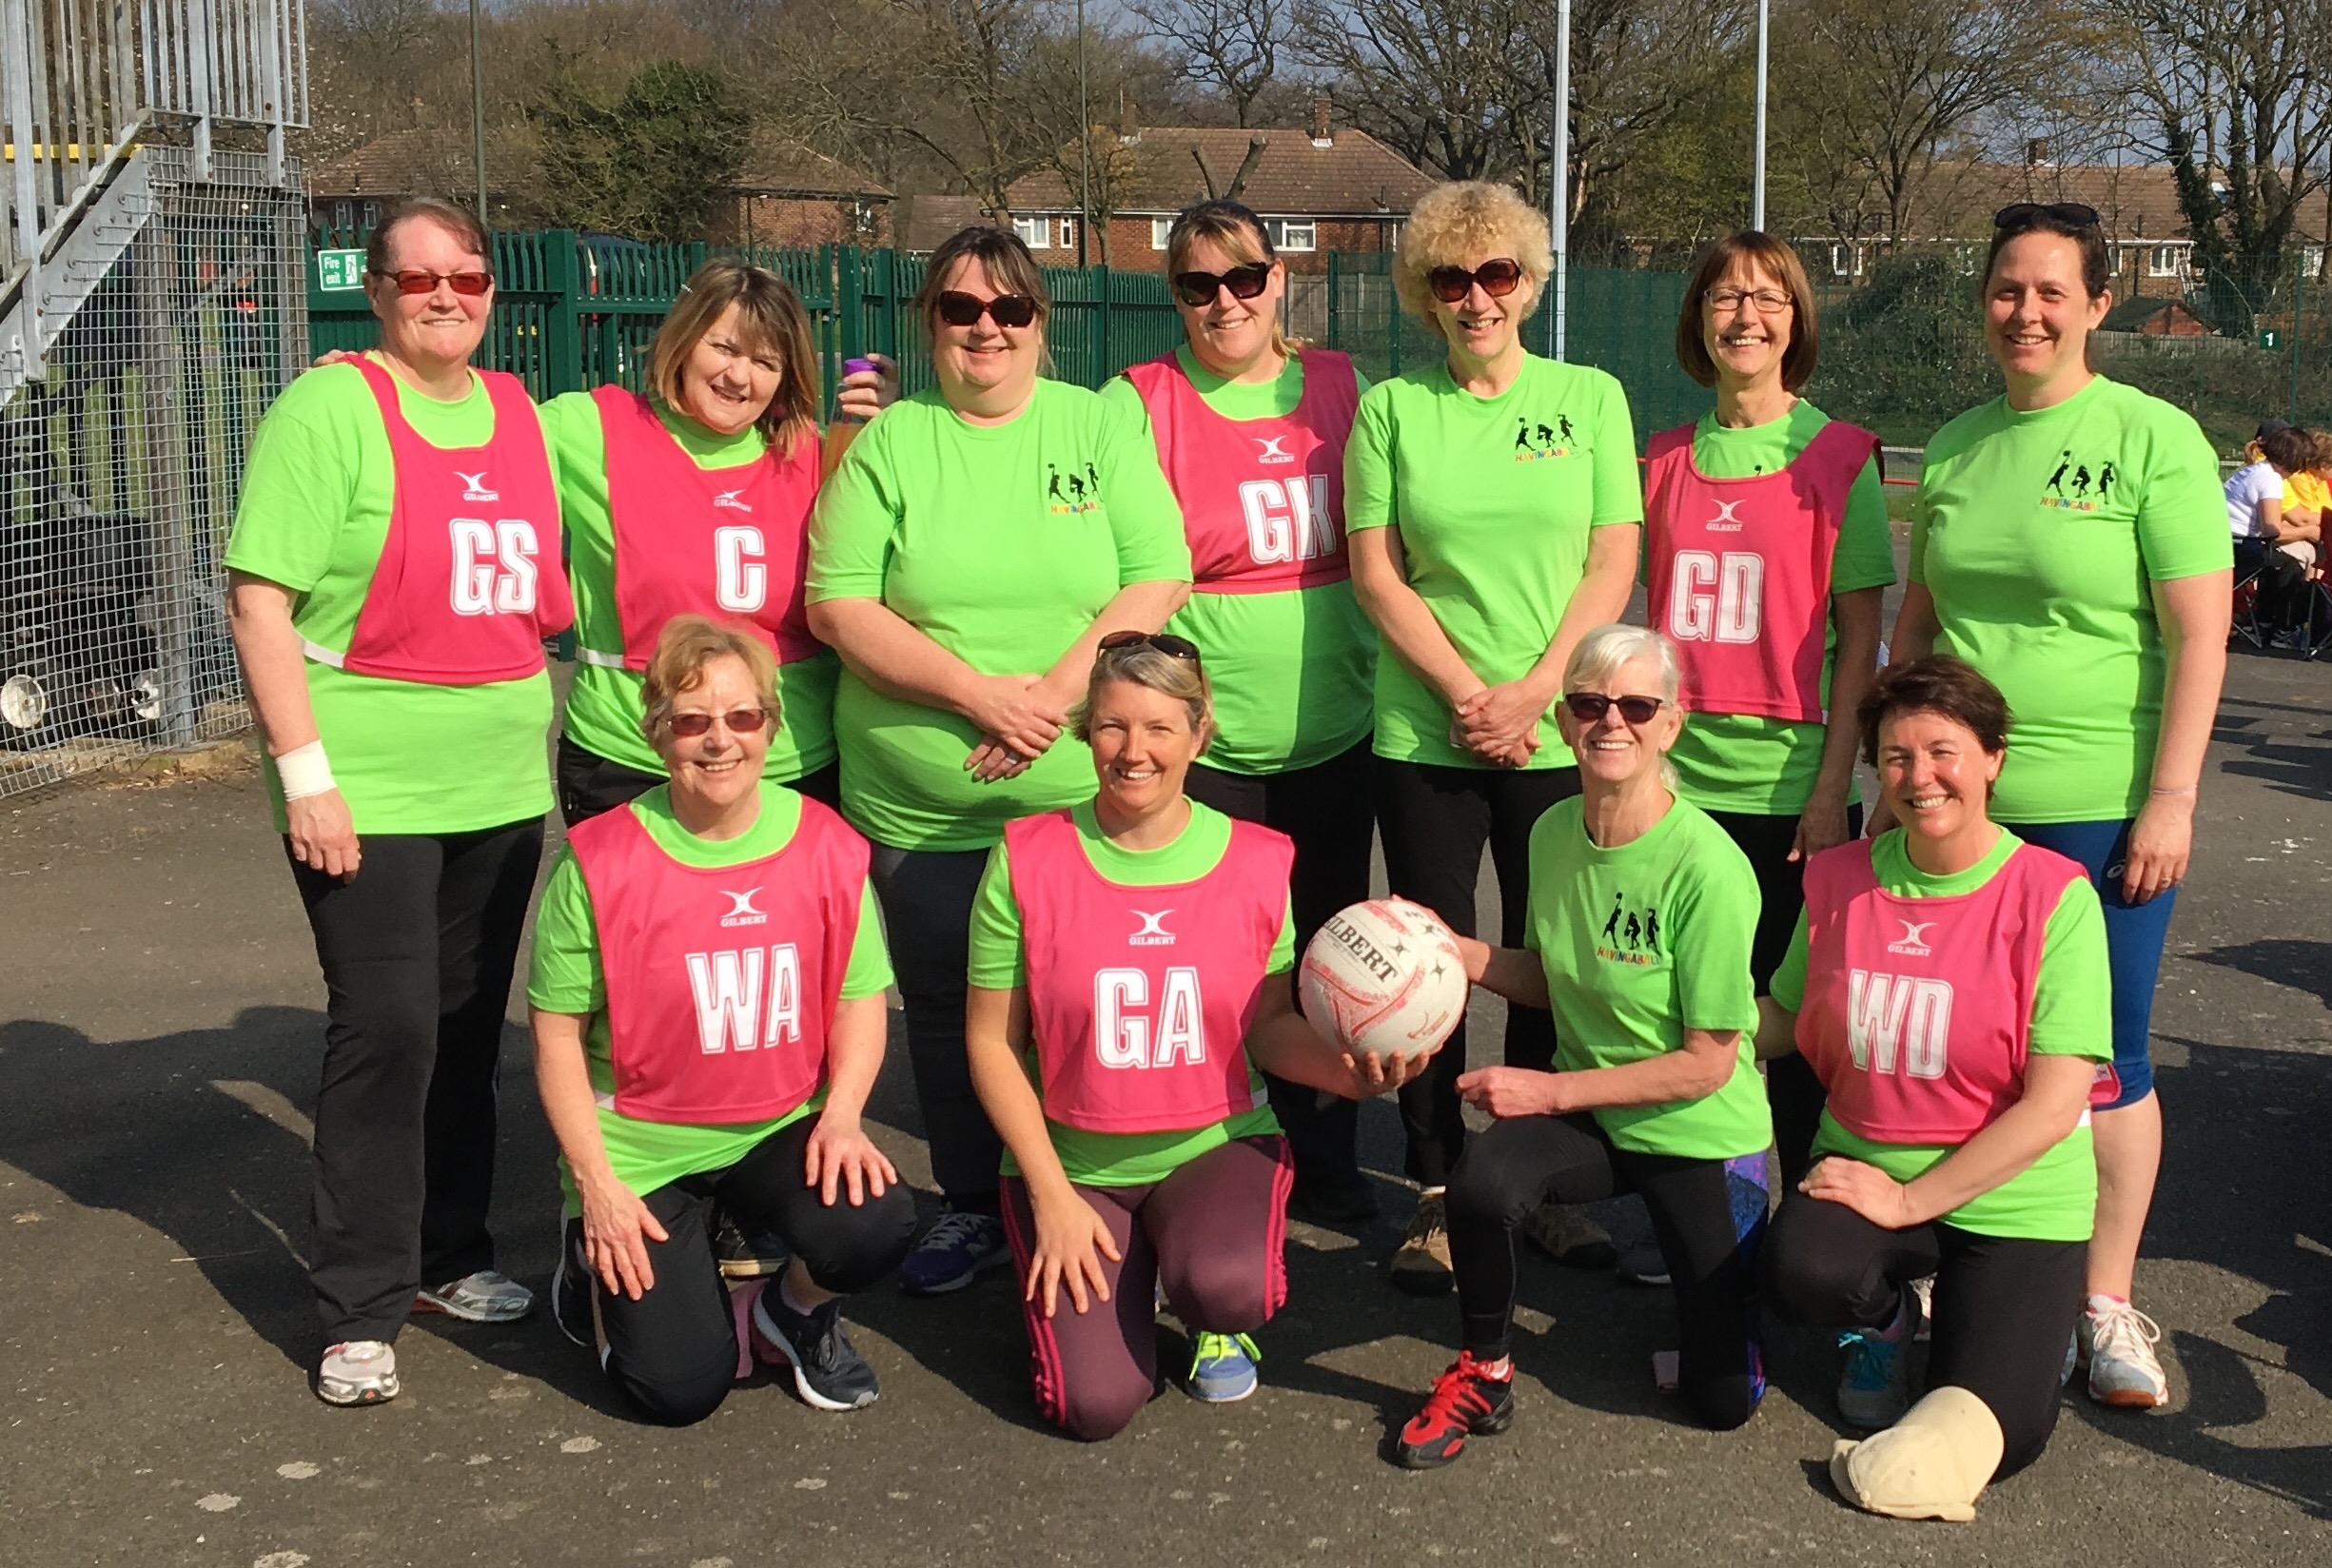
{"x": 2023, "y": 214}
{"x": 742, "y": 722}
{"x": 1768, "y": 302}
{"x": 1497, "y": 279}
{"x": 960, "y": 309}
{"x": 1165, "y": 642}
{"x": 1590, "y": 707}
{"x": 414, "y": 280}
{"x": 1198, "y": 288}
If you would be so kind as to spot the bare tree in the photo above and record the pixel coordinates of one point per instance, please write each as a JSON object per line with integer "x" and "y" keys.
{"x": 1230, "y": 47}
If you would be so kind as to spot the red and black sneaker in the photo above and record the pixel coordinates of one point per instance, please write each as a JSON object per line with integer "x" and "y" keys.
{"x": 1466, "y": 1401}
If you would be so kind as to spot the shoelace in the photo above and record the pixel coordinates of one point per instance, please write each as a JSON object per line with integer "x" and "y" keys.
{"x": 1429, "y": 1219}
{"x": 828, "y": 1347}
{"x": 1212, "y": 1347}
{"x": 1447, "y": 1405}
{"x": 955, "y": 1229}
{"x": 2124, "y": 1333}
{"x": 1870, "y": 1360}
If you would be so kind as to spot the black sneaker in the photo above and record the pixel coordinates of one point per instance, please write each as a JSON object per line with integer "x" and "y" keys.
{"x": 829, "y": 1373}
{"x": 571, "y": 1297}
{"x": 758, "y": 1256}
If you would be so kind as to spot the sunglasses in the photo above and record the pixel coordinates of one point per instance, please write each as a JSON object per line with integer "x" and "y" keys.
{"x": 1590, "y": 707}
{"x": 2020, "y": 214}
{"x": 414, "y": 280}
{"x": 1165, "y": 642}
{"x": 1497, "y": 279}
{"x": 1198, "y": 288}
{"x": 960, "y": 309}
{"x": 742, "y": 722}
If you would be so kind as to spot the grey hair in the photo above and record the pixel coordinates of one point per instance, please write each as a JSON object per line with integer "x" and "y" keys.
{"x": 1607, "y": 650}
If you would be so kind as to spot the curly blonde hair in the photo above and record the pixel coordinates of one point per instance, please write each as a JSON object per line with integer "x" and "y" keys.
{"x": 1469, "y": 217}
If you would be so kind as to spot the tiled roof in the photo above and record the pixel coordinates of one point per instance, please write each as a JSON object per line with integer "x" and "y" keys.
{"x": 776, "y": 166}
{"x": 920, "y": 223}
{"x": 1355, "y": 174}
{"x": 1958, "y": 198}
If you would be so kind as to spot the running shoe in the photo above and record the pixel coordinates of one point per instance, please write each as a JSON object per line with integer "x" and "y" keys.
{"x": 756, "y": 1255}
{"x": 1876, "y": 1388}
{"x": 1565, "y": 1233}
{"x": 571, "y": 1299}
{"x": 356, "y": 1372}
{"x": 1645, "y": 1265}
{"x": 1421, "y": 1264}
{"x": 1466, "y": 1401}
{"x": 484, "y": 1297}
{"x": 829, "y": 1373}
{"x": 959, "y": 1245}
{"x": 1332, "y": 1200}
{"x": 2118, "y": 1342}
{"x": 1223, "y": 1367}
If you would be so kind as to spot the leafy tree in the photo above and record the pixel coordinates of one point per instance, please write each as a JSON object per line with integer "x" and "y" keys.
{"x": 649, "y": 162}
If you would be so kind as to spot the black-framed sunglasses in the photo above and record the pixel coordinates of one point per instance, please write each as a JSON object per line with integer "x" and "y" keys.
{"x": 960, "y": 309}
{"x": 1197, "y": 289}
{"x": 2020, "y": 214}
{"x": 1590, "y": 707}
{"x": 1165, "y": 642}
{"x": 1499, "y": 278}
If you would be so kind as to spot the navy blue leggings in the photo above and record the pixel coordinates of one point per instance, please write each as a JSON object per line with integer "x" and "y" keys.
{"x": 2134, "y": 937}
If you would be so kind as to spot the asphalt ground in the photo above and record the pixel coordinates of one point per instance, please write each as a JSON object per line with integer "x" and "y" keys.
{"x": 161, "y": 1045}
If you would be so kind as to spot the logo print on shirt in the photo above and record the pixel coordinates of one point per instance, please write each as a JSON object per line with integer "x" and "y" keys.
{"x": 1073, "y": 492}
{"x": 1913, "y": 942}
{"x": 474, "y": 486}
{"x": 741, "y": 911}
{"x": 1153, "y": 932}
{"x": 2074, "y": 485}
{"x": 1639, "y": 930}
{"x": 729, "y": 498}
{"x": 1535, "y": 439}
{"x": 1272, "y": 450}
{"x": 1725, "y": 522}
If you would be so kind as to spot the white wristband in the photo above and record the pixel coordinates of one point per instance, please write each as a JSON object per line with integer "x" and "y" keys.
{"x": 305, "y": 772}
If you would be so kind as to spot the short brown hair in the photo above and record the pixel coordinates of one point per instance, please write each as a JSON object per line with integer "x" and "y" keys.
{"x": 1755, "y": 248}
{"x": 1936, "y": 684}
{"x": 684, "y": 650}
{"x": 2088, "y": 239}
{"x": 2289, "y": 449}
{"x": 452, "y": 216}
{"x": 1009, "y": 268}
{"x": 1466, "y": 215}
{"x": 773, "y": 321}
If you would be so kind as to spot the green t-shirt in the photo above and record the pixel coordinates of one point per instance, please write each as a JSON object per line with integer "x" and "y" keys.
{"x": 1641, "y": 942}
{"x": 1294, "y": 671}
{"x": 1495, "y": 499}
{"x": 1746, "y": 762}
{"x": 565, "y": 977}
{"x": 1119, "y": 1159}
{"x": 410, "y": 756}
{"x": 2040, "y": 536}
{"x": 1000, "y": 544}
{"x": 2055, "y": 1198}
{"x": 604, "y": 706}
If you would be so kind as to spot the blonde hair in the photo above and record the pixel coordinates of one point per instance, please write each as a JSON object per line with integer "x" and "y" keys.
{"x": 1607, "y": 650}
{"x": 1235, "y": 230}
{"x": 684, "y": 650}
{"x": 772, "y": 321}
{"x": 1467, "y": 217}
{"x": 1140, "y": 664}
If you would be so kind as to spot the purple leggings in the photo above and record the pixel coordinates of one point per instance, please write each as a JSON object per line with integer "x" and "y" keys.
{"x": 1212, "y": 1233}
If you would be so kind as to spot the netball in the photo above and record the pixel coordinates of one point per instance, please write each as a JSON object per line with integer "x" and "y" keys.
{"x": 1384, "y": 977}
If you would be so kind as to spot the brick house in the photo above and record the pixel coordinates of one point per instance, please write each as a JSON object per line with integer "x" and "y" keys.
{"x": 1320, "y": 187}
{"x": 787, "y": 195}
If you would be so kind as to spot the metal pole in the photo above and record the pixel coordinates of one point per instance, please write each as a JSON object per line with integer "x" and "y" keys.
{"x": 1757, "y": 187}
{"x": 478, "y": 114}
{"x": 1085, "y": 143}
{"x": 1558, "y": 181}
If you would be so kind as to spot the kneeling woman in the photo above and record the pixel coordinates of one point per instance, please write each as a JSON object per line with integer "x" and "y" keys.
{"x": 708, "y": 1013}
{"x": 1949, "y": 985}
{"x": 1129, "y": 976}
{"x": 1642, "y": 912}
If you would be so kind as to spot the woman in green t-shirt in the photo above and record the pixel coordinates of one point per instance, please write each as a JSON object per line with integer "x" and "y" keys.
{"x": 1767, "y": 548}
{"x": 2069, "y": 543}
{"x": 1948, "y": 983}
{"x": 1638, "y": 942}
{"x": 1493, "y": 506}
{"x": 965, "y": 560}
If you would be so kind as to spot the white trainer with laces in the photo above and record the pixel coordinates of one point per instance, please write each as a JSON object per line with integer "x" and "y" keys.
{"x": 2118, "y": 1342}
{"x": 356, "y": 1372}
{"x": 484, "y": 1297}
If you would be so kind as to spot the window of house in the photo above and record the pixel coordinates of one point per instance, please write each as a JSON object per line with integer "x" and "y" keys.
{"x": 1846, "y": 261}
{"x": 2311, "y": 260}
{"x": 1159, "y": 229}
{"x": 1068, "y": 233}
{"x": 1036, "y": 233}
{"x": 1293, "y": 234}
{"x": 372, "y": 214}
{"x": 2163, "y": 261}
{"x": 344, "y": 213}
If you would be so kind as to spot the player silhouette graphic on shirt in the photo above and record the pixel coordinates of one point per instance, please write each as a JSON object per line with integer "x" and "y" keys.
{"x": 1054, "y": 488}
{"x": 1635, "y": 933}
{"x": 2104, "y": 481}
{"x": 1610, "y": 927}
{"x": 1651, "y": 930}
{"x": 1564, "y": 419}
{"x": 2056, "y": 480}
{"x": 1521, "y": 434}
{"x": 2081, "y": 479}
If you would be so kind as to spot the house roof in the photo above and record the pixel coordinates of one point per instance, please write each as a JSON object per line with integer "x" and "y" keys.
{"x": 921, "y": 222}
{"x": 415, "y": 163}
{"x": 2132, "y": 314}
{"x": 1155, "y": 172}
{"x": 775, "y": 167}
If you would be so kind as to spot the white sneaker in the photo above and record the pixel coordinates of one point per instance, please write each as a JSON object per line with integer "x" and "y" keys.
{"x": 2118, "y": 1342}
{"x": 356, "y": 1372}
{"x": 484, "y": 1297}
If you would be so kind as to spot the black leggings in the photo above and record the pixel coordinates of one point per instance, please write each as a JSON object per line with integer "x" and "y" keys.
{"x": 1708, "y": 1216}
{"x": 1330, "y": 811}
{"x": 2004, "y": 1307}
{"x": 1435, "y": 821}
{"x": 674, "y": 1351}
{"x": 588, "y": 783}
{"x": 1790, "y": 1087}
{"x": 925, "y": 895}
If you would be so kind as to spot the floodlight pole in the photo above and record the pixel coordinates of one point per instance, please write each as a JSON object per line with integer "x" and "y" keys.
{"x": 1756, "y": 196}
{"x": 1558, "y": 178}
{"x": 477, "y": 115}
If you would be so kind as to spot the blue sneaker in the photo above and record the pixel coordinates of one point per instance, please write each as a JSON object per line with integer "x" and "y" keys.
{"x": 1876, "y": 1388}
{"x": 1223, "y": 1367}
{"x": 959, "y": 1245}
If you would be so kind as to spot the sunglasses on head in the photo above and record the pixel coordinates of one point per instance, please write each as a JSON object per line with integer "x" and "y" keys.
{"x": 1165, "y": 642}
{"x": 742, "y": 722}
{"x": 1590, "y": 707}
{"x": 414, "y": 280}
{"x": 2022, "y": 214}
{"x": 1498, "y": 278}
{"x": 1198, "y": 288}
{"x": 960, "y": 309}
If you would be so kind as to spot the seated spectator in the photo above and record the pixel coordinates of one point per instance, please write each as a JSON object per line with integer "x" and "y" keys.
{"x": 2275, "y": 509}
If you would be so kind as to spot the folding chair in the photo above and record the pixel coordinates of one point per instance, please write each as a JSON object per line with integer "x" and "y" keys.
{"x": 2250, "y": 563}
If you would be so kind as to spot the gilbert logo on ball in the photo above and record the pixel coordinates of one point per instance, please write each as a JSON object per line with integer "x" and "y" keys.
{"x": 1384, "y": 977}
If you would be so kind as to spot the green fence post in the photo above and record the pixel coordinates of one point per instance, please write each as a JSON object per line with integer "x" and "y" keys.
{"x": 1103, "y": 362}
{"x": 1332, "y": 311}
{"x": 2298, "y": 287}
{"x": 562, "y": 360}
{"x": 842, "y": 263}
{"x": 1392, "y": 334}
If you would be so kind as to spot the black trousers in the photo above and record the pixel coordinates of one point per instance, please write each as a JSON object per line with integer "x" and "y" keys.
{"x": 1330, "y": 811}
{"x": 1435, "y": 822}
{"x": 1708, "y": 1216}
{"x": 674, "y": 1351}
{"x": 2282, "y": 583}
{"x": 2004, "y": 1307}
{"x": 925, "y": 895}
{"x": 416, "y": 954}
{"x": 1790, "y": 1087}
{"x": 588, "y": 783}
